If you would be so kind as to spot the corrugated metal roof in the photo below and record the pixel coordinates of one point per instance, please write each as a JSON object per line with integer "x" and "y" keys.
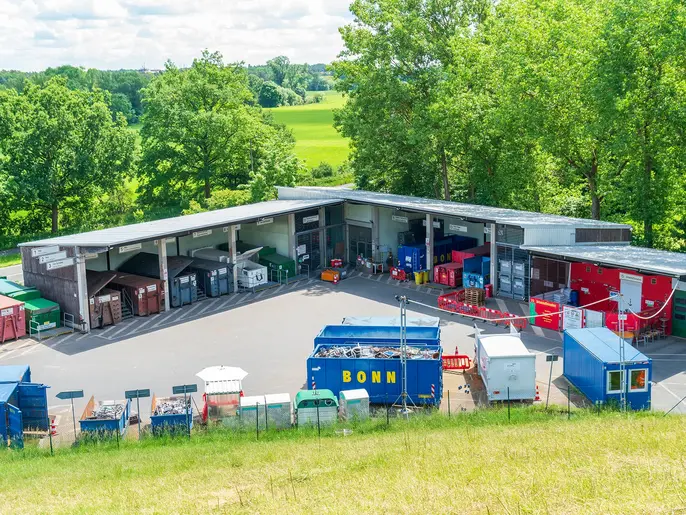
{"x": 604, "y": 344}
{"x": 441, "y": 207}
{"x": 180, "y": 225}
{"x": 635, "y": 258}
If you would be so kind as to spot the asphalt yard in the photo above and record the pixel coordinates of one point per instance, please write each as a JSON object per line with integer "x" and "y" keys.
{"x": 270, "y": 335}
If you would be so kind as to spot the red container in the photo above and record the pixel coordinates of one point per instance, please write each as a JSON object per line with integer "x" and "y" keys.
{"x": 489, "y": 291}
{"x": 146, "y": 293}
{"x": 336, "y": 263}
{"x": 448, "y": 274}
{"x": 12, "y": 321}
{"x": 460, "y": 255}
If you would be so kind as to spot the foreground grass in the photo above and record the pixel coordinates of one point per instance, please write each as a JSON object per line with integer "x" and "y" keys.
{"x": 478, "y": 463}
{"x": 9, "y": 260}
{"x": 316, "y": 140}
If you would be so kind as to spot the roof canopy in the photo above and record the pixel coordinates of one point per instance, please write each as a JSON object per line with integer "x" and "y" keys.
{"x": 441, "y": 207}
{"x": 641, "y": 259}
{"x": 181, "y": 225}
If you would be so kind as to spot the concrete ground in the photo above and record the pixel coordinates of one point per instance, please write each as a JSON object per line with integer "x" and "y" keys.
{"x": 270, "y": 334}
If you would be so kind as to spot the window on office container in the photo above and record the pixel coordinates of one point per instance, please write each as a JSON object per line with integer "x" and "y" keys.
{"x": 614, "y": 381}
{"x": 639, "y": 380}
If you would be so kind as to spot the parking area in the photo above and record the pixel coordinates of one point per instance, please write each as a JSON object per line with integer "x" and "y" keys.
{"x": 270, "y": 334}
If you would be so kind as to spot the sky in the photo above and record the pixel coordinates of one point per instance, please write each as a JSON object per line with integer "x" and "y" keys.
{"x": 113, "y": 34}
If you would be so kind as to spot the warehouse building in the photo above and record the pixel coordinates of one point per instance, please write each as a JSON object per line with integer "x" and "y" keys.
{"x": 531, "y": 254}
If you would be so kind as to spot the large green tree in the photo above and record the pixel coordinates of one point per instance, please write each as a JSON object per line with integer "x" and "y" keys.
{"x": 60, "y": 147}
{"x": 201, "y": 130}
{"x": 641, "y": 78}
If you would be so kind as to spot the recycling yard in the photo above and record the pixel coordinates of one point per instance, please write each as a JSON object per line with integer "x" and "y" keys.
{"x": 270, "y": 335}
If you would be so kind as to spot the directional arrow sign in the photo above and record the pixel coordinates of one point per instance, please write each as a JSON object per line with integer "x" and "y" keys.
{"x": 184, "y": 388}
{"x": 137, "y": 394}
{"x": 74, "y": 394}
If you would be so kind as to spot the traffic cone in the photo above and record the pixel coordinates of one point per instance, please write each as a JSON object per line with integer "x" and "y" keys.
{"x": 538, "y": 395}
{"x": 335, "y": 278}
{"x": 53, "y": 428}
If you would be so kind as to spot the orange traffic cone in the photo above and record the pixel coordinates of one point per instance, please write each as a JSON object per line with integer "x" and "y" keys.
{"x": 335, "y": 278}
{"x": 53, "y": 427}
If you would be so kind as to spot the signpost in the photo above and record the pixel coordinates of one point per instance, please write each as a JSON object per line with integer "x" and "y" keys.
{"x": 71, "y": 395}
{"x": 552, "y": 358}
{"x": 185, "y": 389}
{"x": 137, "y": 394}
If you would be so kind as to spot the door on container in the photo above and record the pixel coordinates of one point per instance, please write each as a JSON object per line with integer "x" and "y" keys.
{"x": 33, "y": 402}
{"x": 631, "y": 292}
{"x": 15, "y": 426}
{"x": 360, "y": 241}
{"x": 152, "y": 299}
{"x": 679, "y": 314}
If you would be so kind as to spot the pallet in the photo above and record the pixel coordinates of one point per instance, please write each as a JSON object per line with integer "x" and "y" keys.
{"x": 475, "y": 297}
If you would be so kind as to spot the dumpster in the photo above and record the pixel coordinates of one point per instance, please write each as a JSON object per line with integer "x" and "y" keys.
{"x": 412, "y": 258}
{"x": 352, "y": 335}
{"x": 214, "y": 278}
{"x": 505, "y": 365}
{"x": 17, "y": 291}
{"x": 169, "y": 415}
{"x": 105, "y": 417}
{"x": 378, "y": 370}
{"x": 15, "y": 374}
{"x": 460, "y": 255}
{"x": 104, "y": 303}
{"x": 251, "y": 274}
{"x": 280, "y": 267}
{"x": 354, "y": 404}
{"x": 314, "y": 407}
{"x": 279, "y": 410}
{"x": 182, "y": 284}
{"x": 211, "y": 254}
{"x": 449, "y": 274}
{"x": 41, "y": 313}
{"x": 592, "y": 364}
{"x": 144, "y": 293}
{"x": 420, "y": 321}
{"x": 253, "y": 412}
{"x": 12, "y": 319}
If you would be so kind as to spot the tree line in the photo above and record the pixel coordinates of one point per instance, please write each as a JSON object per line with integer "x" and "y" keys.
{"x": 68, "y": 158}
{"x": 573, "y": 107}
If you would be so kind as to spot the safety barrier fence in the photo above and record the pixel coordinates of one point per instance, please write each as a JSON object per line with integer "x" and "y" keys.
{"x": 454, "y": 302}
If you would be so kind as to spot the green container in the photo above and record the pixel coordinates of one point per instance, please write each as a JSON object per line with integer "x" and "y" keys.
{"x": 679, "y": 314}
{"x": 278, "y": 262}
{"x": 242, "y": 247}
{"x": 43, "y": 312}
{"x": 17, "y": 291}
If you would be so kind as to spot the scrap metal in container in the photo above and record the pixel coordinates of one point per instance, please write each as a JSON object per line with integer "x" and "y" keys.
{"x": 378, "y": 352}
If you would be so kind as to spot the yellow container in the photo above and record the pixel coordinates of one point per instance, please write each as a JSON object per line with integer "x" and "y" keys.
{"x": 425, "y": 273}
{"x": 419, "y": 277}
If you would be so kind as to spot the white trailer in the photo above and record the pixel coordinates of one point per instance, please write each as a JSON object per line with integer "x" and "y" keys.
{"x": 506, "y": 367}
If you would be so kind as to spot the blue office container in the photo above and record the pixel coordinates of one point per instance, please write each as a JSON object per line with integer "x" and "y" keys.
{"x": 352, "y": 335}
{"x": 592, "y": 364}
{"x": 412, "y": 257}
{"x": 381, "y": 377}
{"x": 15, "y": 374}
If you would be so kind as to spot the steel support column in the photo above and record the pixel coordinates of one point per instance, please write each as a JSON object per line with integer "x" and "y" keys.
{"x": 430, "y": 245}
{"x": 232, "y": 252}
{"x": 322, "y": 238}
{"x": 494, "y": 260}
{"x": 164, "y": 269}
{"x": 82, "y": 289}
{"x": 375, "y": 232}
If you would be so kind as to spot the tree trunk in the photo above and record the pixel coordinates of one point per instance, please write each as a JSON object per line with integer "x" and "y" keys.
{"x": 592, "y": 178}
{"x": 595, "y": 206}
{"x": 444, "y": 169}
{"x": 208, "y": 191}
{"x": 647, "y": 193}
{"x": 55, "y": 218}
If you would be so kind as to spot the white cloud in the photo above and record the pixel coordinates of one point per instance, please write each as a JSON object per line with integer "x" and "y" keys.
{"x": 35, "y": 34}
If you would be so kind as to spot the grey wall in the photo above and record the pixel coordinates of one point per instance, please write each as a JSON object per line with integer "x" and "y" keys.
{"x": 56, "y": 285}
{"x": 273, "y": 235}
